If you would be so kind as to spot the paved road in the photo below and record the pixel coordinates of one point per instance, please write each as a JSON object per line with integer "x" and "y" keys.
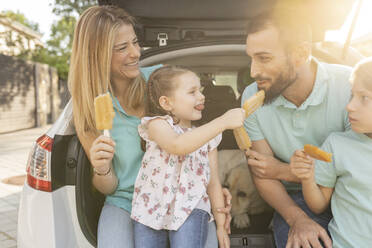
{"x": 14, "y": 150}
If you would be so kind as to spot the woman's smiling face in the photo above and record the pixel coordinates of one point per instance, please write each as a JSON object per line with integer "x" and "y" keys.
{"x": 126, "y": 54}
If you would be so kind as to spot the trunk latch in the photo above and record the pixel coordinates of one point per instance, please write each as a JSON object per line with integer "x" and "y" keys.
{"x": 162, "y": 37}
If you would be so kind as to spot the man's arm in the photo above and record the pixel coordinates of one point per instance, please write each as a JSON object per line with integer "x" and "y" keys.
{"x": 264, "y": 165}
{"x": 271, "y": 189}
{"x": 303, "y": 231}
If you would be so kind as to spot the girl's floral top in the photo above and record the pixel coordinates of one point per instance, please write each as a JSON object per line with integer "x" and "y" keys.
{"x": 168, "y": 186}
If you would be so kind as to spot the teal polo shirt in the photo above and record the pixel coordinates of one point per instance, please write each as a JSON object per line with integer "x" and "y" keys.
{"x": 128, "y": 153}
{"x": 350, "y": 175}
{"x": 287, "y": 127}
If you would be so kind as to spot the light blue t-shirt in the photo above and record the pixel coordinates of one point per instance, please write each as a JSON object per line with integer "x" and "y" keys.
{"x": 350, "y": 174}
{"x": 287, "y": 127}
{"x": 128, "y": 153}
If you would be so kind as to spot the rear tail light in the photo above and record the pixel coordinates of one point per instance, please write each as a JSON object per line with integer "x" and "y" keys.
{"x": 38, "y": 165}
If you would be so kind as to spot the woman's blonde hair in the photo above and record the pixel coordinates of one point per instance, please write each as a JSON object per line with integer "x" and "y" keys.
{"x": 90, "y": 65}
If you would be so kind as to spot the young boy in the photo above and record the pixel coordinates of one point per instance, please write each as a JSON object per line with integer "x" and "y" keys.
{"x": 346, "y": 181}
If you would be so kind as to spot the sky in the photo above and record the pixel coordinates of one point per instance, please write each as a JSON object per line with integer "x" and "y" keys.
{"x": 40, "y": 11}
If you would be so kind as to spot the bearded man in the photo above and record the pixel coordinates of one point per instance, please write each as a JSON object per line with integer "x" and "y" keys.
{"x": 305, "y": 101}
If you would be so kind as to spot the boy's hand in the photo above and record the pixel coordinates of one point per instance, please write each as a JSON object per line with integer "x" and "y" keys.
{"x": 302, "y": 165}
{"x": 223, "y": 237}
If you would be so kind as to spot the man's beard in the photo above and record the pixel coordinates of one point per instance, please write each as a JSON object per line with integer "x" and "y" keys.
{"x": 281, "y": 83}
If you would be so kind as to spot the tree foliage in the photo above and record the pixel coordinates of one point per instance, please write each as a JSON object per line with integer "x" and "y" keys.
{"x": 71, "y": 7}
{"x": 60, "y": 43}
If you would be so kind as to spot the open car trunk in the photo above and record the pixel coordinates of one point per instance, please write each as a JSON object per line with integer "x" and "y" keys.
{"x": 211, "y": 60}
{"x": 209, "y": 38}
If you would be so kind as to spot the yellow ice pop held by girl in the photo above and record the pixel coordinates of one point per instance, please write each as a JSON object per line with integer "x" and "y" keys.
{"x": 104, "y": 113}
{"x": 250, "y": 105}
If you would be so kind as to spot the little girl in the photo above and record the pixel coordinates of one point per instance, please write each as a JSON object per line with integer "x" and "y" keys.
{"x": 346, "y": 182}
{"x": 179, "y": 172}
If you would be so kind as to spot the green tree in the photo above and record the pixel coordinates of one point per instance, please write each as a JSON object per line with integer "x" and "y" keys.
{"x": 60, "y": 43}
{"x": 58, "y": 50}
{"x": 72, "y": 7}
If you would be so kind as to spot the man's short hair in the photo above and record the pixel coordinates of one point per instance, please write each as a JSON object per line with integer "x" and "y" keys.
{"x": 293, "y": 27}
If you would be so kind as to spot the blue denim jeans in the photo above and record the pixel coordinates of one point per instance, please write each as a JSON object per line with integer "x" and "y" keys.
{"x": 192, "y": 233}
{"x": 115, "y": 229}
{"x": 281, "y": 228}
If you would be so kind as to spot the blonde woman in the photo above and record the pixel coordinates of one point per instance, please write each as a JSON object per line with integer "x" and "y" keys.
{"x": 105, "y": 58}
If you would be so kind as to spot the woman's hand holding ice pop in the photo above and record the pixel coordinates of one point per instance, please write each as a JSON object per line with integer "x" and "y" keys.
{"x": 101, "y": 154}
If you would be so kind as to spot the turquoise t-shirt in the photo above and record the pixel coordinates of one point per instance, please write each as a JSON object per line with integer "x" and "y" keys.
{"x": 287, "y": 127}
{"x": 128, "y": 153}
{"x": 350, "y": 174}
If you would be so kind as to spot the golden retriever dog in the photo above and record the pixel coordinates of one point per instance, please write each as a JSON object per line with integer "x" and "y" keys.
{"x": 235, "y": 174}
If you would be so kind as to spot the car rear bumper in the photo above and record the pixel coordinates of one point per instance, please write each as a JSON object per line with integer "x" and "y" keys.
{"x": 49, "y": 219}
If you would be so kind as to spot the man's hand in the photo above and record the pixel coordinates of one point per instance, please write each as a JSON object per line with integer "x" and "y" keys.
{"x": 305, "y": 233}
{"x": 263, "y": 166}
{"x": 226, "y": 210}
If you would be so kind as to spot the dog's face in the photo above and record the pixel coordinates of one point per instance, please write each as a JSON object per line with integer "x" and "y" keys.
{"x": 241, "y": 187}
{"x": 235, "y": 175}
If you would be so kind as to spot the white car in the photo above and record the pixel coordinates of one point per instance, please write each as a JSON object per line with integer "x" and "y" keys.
{"x": 59, "y": 207}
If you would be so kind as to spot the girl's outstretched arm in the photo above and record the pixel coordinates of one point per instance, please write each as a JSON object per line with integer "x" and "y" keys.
{"x": 217, "y": 200}
{"x": 181, "y": 144}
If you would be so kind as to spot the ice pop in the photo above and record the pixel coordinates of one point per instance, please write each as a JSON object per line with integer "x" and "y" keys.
{"x": 317, "y": 153}
{"x": 104, "y": 113}
{"x": 250, "y": 105}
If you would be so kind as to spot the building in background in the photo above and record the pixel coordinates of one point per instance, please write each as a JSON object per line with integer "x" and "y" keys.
{"x": 16, "y": 38}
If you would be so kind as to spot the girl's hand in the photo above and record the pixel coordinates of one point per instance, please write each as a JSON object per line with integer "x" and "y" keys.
{"x": 233, "y": 118}
{"x": 101, "y": 153}
{"x": 302, "y": 165}
{"x": 223, "y": 237}
{"x": 227, "y": 209}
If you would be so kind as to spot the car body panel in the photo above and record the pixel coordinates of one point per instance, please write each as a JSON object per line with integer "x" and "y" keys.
{"x": 35, "y": 219}
{"x": 49, "y": 220}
